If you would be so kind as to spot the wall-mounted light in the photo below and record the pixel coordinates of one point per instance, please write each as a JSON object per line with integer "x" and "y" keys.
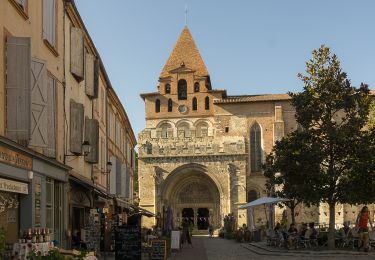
{"x": 109, "y": 168}
{"x": 30, "y": 175}
{"x": 86, "y": 149}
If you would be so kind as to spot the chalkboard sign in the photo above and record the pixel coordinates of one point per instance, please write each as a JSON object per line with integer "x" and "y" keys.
{"x": 128, "y": 243}
{"x": 159, "y": 249}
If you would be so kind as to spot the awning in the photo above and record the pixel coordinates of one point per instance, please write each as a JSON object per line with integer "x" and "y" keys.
{"x": 124, "y": 204}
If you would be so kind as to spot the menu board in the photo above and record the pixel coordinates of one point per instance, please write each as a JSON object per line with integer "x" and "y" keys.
{"x": 128, "y": 243}
{"x": 92, "y": 231}
{"x": 158, "y": 249}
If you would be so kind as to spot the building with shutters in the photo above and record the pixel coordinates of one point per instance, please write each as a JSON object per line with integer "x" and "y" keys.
{"x": 33, "y": 175}
{"x": 201, "y": 150}
{"x": 58, "y": 98}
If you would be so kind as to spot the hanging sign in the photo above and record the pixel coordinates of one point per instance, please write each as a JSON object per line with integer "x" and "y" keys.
{"x": 13, "y": 186}
{"x": 15, "y": 159}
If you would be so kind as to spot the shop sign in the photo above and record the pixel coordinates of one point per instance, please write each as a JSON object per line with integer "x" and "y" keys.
{"x": 14, "y": 186}
{"x": 16, "y": 159}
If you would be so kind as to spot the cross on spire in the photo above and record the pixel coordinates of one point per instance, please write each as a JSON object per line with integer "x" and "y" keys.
{"x": 186, "y": 14}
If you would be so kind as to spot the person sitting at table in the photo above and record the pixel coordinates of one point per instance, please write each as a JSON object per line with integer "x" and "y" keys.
{"x": 303, "y": 230}
{"x": 313, "y": 233}
{"x": 292, "y": 236}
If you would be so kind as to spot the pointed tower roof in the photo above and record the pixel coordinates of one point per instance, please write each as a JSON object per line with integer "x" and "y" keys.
{"x": 185, "y": 52}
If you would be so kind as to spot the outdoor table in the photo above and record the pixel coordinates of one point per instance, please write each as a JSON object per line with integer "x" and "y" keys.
{"x": 22, "y": 250}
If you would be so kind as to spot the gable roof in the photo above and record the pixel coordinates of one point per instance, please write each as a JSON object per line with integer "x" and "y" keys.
{"x": 185, "y": 52}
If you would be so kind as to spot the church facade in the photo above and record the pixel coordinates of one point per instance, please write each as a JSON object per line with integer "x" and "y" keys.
{"x": 201, "y": 150}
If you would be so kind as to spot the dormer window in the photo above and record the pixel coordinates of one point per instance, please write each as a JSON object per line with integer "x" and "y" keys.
{"x": 196, "y": 87}
{"x": 167, "y": 88}
{"x": 182, "y": 89}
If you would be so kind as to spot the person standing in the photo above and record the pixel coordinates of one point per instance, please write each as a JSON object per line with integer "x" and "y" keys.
{"x": 186, "y": 232}
{"x": 362, "y": 222}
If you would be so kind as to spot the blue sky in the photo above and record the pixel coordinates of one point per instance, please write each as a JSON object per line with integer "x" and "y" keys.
{"x": 248, "y": 46}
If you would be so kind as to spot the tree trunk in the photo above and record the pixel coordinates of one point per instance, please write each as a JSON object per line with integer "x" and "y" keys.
{"x": 331, "y": 230}
{"x": 292, "y": 209}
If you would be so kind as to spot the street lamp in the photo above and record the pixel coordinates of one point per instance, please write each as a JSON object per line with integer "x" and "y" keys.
{"x": 109, "y": 168}
{"x": 86, "y": 149}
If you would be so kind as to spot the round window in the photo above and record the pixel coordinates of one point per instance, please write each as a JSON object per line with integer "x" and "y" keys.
{"x": 182, "y": 109}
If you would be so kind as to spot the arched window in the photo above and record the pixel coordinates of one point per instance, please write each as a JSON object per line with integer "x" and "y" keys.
{"x": 202, "y": 129}
{"x": 165, "y": 131}
{"x": 207, "y": 103}
{"x": 252, "y": 195}
{"x": 169, "y": 105}
{"x": 182, "y": 89}
{"x": 196, "y": 87}
{"x": 167, "y": 88}
{"x": 255, "y": 147}
{"x": 157, "y": 106}
{"x": 195, "y": 106}
{"x": 183, "y": 130}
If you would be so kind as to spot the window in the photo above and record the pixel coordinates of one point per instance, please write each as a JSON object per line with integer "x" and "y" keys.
{"x": 202, "y": 129}
{"x": 182, "y": 89}
{"x": 49, "y": 21}
{"x": 195, "y": 106}
{"x": 252, "y": 195}
{"x": 255, "y": 148}
{"x": 50, "y": 204}
{"x": 167, "y": 88}
{"x": 157, "y": 106}
{"x": 165, "y": 129}
{"x": 207, "y": 103}
{"x": 170, "y": 105}
{"x": 21, "y": 7}
{"x": 183, "y": 130}
{"x": 196, "y": 87}
{"x": 226, "y": 129}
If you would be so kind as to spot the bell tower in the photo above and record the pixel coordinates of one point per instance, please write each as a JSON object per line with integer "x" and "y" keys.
{"x": 184, "y": 84}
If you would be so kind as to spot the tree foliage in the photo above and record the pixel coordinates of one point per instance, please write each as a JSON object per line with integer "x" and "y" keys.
{"x": 327, "y": 159}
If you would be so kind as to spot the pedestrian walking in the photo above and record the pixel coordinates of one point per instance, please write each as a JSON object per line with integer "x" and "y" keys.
{"x": 186, "y": 233}
{"x": 362, "y": 224}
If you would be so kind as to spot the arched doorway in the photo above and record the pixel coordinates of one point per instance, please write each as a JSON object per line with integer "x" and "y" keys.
{"x": 193, "y": 196}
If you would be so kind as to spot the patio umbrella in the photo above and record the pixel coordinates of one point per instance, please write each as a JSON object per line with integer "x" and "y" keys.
{"x": 263, "y": 201}
{"x": 270, "y": 201}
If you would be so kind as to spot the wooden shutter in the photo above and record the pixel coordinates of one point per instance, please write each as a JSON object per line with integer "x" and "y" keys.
{"x": 18, "y": 63}
{"x": 76, "y": 53}
{"x": 39, "y": 103}
{"x": 92, "y": 136}
{"x": 89, "y": 78}
{"x": 49, "y": 21}
{"x": 96, "y": 78}
{"x": 76, "y": 127}
{"x": 50, "y": 150}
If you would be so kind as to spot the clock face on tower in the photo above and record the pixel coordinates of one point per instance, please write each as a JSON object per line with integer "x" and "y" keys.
{"x": 182, "y": 109}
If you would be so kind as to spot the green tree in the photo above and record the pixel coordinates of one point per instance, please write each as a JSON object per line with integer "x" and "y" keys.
{"x": 333, "y": 115}
{"x": 285, "y": 169}
{"x": 371, "y": 121}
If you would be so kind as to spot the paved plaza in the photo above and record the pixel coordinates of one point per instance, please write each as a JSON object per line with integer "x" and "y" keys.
{"x": 218, "y": 248}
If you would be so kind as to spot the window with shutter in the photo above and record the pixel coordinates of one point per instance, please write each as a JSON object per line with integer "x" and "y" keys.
{"x": 18, "y": 64}
{"x": 39, "y": 104}
{"x": 49, "y": 21}
{"x": 50, "y": 150}
{"x": 76, "y": 53}
{"x": 92, "y": 136}
{"x": 76, "y": 127}
{"x": 89, "y": 78}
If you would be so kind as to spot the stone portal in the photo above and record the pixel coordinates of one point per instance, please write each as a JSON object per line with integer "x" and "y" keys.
{"x": 193, "y": 195}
